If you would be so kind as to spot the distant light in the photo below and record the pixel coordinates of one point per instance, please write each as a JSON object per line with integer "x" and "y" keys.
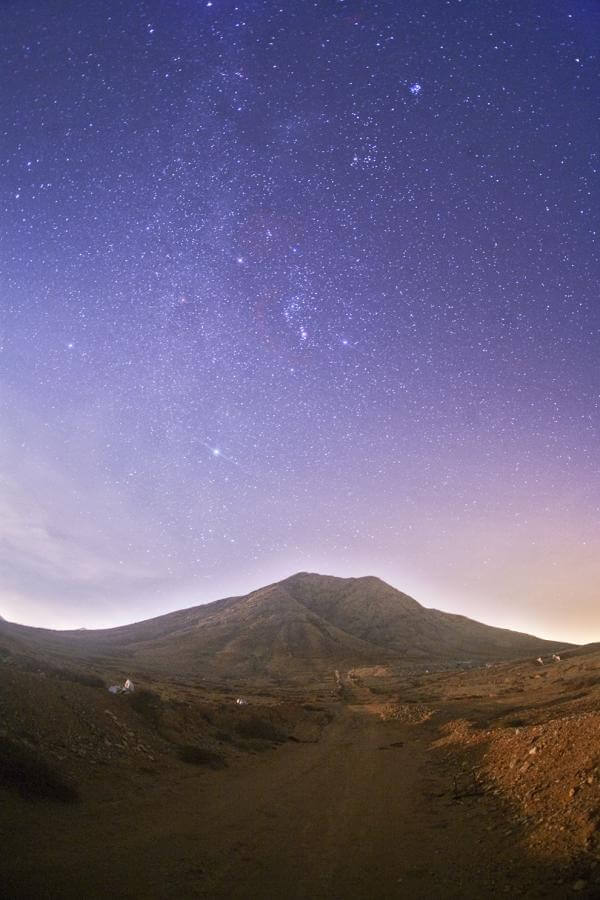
{"x": 416, "y": 89}
{"x": 216, "y": 452}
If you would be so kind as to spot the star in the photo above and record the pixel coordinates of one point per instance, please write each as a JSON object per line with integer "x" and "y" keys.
{"x": 390, "y": 275}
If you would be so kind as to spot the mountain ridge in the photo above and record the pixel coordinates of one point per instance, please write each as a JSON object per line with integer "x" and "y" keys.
{"x": 305, "y": 624}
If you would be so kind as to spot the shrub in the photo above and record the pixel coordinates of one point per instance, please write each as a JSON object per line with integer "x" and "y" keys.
{"x": 260, "y": 728}
{"x": 201, "y": 756}
{"x": 31, "y": 775}
{"x": 85, "y": 678}
{"x": 147, "y": 704}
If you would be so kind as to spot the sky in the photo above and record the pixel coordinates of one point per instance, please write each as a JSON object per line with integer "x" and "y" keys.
{"x": 300, "y": 286}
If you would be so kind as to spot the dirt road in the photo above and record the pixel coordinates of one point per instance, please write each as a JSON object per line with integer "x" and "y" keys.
{"x": 367, "y": 812}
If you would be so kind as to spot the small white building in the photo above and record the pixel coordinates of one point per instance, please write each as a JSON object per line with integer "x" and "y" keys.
{"x": 127, "y": 688}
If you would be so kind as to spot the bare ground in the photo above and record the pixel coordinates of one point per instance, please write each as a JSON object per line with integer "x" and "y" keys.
{"x": 368, "y": 811}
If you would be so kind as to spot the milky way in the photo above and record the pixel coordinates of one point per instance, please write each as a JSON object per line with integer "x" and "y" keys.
{"x": 300, "y": 286}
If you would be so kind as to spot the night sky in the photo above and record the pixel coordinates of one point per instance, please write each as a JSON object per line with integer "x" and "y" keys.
{"x": 300, "y": 286}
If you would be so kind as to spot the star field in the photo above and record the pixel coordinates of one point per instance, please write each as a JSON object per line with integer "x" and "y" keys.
{"x": 300, "y": 286}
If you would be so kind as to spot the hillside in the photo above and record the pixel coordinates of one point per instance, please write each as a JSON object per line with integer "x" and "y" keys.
{"x": 307, "y": 624}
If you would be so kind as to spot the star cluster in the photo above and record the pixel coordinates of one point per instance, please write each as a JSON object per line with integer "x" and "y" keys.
{"x": 300, "y": 286}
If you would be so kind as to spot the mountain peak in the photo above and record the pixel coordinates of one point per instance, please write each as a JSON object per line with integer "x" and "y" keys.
{"x": 303, "y": 625}
{"x": 317, "y": 578}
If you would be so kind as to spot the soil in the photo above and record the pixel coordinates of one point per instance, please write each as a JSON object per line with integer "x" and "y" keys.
{"x": 465, "y": 785}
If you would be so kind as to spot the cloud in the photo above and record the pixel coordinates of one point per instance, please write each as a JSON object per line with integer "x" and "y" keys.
{"x": 66, "y": 538}
{"x": 30, "y": 541}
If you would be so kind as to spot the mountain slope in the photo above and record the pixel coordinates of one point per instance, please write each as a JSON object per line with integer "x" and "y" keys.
{"x": 306, "y": 623}
{"x": 376, "y": 612}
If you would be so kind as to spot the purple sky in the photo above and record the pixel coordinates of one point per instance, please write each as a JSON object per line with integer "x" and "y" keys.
{"x": 300, "y": 286}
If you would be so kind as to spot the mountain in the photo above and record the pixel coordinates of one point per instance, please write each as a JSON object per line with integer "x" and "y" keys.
{"x": 305, "y": 624}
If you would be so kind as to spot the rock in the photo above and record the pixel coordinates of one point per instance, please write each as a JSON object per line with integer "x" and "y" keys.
{"x": 580, "y": 885}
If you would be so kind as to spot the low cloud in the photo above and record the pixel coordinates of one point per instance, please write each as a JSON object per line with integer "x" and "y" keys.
{"x": 65, "y": 541}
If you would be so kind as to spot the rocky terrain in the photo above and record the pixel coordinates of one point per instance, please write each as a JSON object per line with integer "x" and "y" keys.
{"x": 371, "y": 780}
{"x": 531, "y": 735}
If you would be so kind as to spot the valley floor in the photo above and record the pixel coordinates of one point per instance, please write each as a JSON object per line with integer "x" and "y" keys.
{"x": 368, "y": 811}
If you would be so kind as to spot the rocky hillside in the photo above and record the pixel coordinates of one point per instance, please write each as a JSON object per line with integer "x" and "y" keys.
{"x": 305, "y": 624}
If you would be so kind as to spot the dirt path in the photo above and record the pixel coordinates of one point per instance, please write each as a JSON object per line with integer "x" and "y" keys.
{"x": 367, "y": 812}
